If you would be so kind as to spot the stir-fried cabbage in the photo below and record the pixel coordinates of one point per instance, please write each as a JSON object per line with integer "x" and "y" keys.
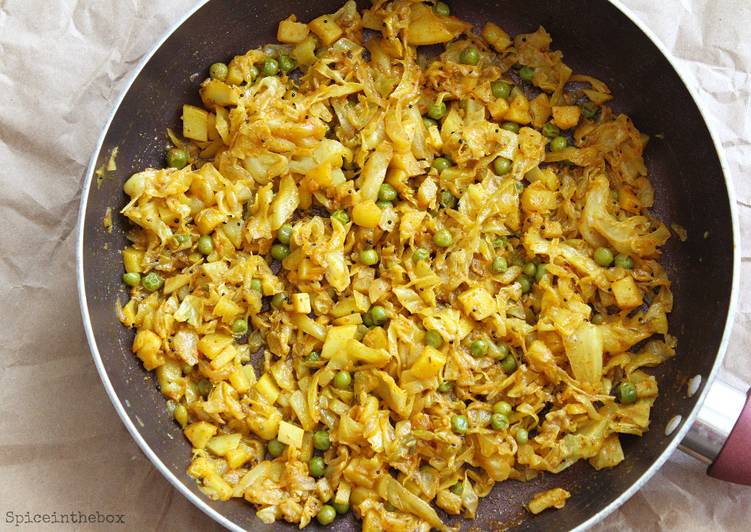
{"x": 387, "y": 281}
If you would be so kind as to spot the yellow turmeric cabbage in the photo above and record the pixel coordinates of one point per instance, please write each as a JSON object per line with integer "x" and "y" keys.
{"x": 374, "y": 282}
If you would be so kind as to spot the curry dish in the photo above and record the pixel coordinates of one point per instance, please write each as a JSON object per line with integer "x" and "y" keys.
{"x": 381, "y": 278}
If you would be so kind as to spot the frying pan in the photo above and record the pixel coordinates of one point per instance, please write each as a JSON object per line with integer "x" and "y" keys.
{"x": 598, "y": 38}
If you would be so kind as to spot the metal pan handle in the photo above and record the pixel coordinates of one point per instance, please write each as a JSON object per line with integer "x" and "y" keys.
{"x": 721, "y": 434}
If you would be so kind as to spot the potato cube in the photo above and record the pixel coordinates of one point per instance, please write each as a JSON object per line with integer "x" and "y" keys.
{"x": 227, "y": 355}
{"x": 169, "y": 376}
{"x": 336, "y": 340}
{"x": 209, "y": 219}
{"x": 429, "y": 364}
{"x": 238, "y": 456}
{"x": 304, "y": 52}
{"x": 518, "y": 110}
{"x": 226, "y": 309}
{"x": 290, "y": 434}
{"x": 478, "y": 303}
{"x": 566, "y": 116}
{"x": 627, "y": 294}
{"x": 291, "y": 32}
{"x": 497, "y": 38}
{"x": 214, "y": 92}
{"x": 326, "y": 29}
{"x": 199, "y": 433}
{"x": 239, "y": 380}
{"x": 195, "y": 123}
{"x": 366, "y": 214}
{"x": 214, "y": 343}
{"x": 342, "y": 493}
{"x": 268, "y": 388}
{"x": 133, "y": 260}
{"x": 301, "y": 303}
{"x": 224, "y": 443}
{"x": 498, "y": 108}
{"x": 147, "y": 346}
{"x": 176, "y": 282}
{"x": 265, "y": 427}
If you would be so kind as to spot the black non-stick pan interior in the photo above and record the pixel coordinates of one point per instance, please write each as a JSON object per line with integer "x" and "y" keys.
{"x": 596, "y": 39}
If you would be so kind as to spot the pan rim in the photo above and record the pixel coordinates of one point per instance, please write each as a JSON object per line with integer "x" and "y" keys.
{"x": 200, "y": 502}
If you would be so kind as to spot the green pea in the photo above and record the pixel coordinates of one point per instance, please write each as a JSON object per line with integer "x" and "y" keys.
{"x": 598, "y": 319}
{"x": 321, "y": 440}
{"x": 326, "y": 514}
{"x": 341, "y": 215}
{"x": 624, "y": 261}
{"x": 239, "y": 327}
{"x": 181, "y": 415}
{"x": 626, "y": 393}
{"x": 279, "y": 251}
{"x": 255, "y": 284}
{"x": 429, "y": 122}
{"x": 218, "y": 71}
{"x": 542, "y": 270}
{"x": 270, "y": 67}
{"x": 447, "y": 200}
{"x": 441, "y": 8}
{"x": 369, "y": 257}
{"x": 342, "y": 380}
{"x": 177, "y": 158}
{"x": 589, "y": 110}
{"x": 522, "y": 436}
{"x": 525, "y": 284}
{"x": 500, "y": 89}
{"x": 341, "y": 507}
{"x": 501, "y": 350}
{"x": 458, "y": 489}
{"x": 469, "y": 56}
{"x": 287, "y": 64}
{"x": 205, "y": 245}
{"x": 253, "y": 71}
{"x": 511, "y": 126}
{"x": 132, "y": 278}
{"x": 550, "y": 130}
{"x": 278, "y": 300}
{"x": 502, "y": 166}
{"x": 498, "y": 422}
{"x": 420, "y": 254}
{"x": 459, "y": 424}
{"x": 152, "y": 282}
{"x": 433, "y": 339}
{"x": 441, "y": 163}
{"x": 479, "y": 348}
{"x": 284, "y": 234}
{"x": 378, "y": 315}
{"x": 526, "y": 73}
{"x": 558, "y": 144}
{"x": 445, "y": 387}
{"x": 317, "y": 466}
{"x": 275, "y": 447}
{"x": 529, "y": 269}
{"x": 603, "y": 257}
{"x": 384, "y": 204}
{"x": 502, "y": 407}
{"x": 182, "y": 240}
{"x": 508, "y": 364}
{"x": 516, "y": 260}
{"x": 499, "y": 241}
{"x": 499, "y": 265}
{"x": 387, "y": 193}
{"x": 443, "y": 238}
{"x": 436, "y": 111}
{"x": 204, "y": 388}
{"x": 314, "y": 356}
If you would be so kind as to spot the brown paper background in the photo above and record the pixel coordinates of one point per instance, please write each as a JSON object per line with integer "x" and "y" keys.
{"x": 62, "y": 447}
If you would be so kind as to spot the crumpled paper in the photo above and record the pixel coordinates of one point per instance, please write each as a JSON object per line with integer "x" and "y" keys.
{"x": 62, "y": 446}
